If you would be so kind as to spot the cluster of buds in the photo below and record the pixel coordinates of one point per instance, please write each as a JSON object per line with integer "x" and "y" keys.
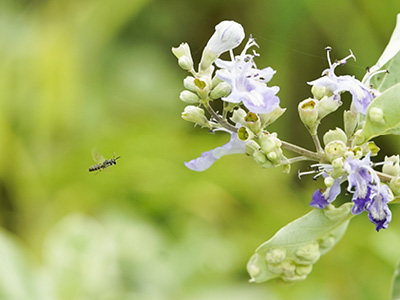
{"x": 249, "y": 105}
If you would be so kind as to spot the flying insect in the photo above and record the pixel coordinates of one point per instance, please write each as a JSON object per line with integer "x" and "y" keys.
{"x": 102, "y": 163}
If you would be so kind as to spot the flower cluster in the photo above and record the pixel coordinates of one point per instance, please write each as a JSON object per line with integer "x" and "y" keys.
{"x": 369, "y": 194}
{"x": 250, "y": 106}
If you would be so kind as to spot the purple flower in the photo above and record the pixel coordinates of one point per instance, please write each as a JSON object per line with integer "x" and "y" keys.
{"x": 368, "y": 193}
{"x": 361, "y": 94}
{"x": 248, "y": 83}
{"x": 322, "y": 197}
{"x": 207, "y": 159}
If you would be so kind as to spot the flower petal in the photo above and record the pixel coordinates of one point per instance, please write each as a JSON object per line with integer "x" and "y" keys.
{"x": 207, "y": 159}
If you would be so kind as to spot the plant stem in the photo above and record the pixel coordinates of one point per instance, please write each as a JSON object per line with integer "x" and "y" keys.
{"x": 221, "y": 121}
{"x": 299, "y": 150}
{"x": 317, "y": 144}
{"x": 305, "y": 154}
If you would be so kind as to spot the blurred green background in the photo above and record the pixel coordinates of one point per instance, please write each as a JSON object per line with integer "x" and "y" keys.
{"x": 78, "y": 75}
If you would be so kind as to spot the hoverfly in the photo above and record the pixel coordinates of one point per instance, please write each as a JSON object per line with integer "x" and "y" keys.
{"x": 102, "y": 162}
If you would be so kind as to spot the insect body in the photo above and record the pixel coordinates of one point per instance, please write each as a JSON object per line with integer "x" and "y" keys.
{"x": 105, "y": 164}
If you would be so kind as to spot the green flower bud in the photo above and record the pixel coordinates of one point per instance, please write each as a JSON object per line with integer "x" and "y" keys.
{"x": 307, "y": 254}
{"x": 333, "y": 135}
{"x": 238, "y": 116}
{"x": 328, "y": 181}
{"x": 335, "y": 149}
{"x": 207, "y": 59}
{"x": 391, "y": 166}
{"x": 189, "y": 97}
{"x": 267, "y": 119}
{"x": 251, "y": 146}
{"x": 326, "y": 106}
{"x": 303, "y": 270}
{"x": 269, "y": 142}
{"x": 276, "y": 256}
{"x": 184, "y": 56}
{"x": 196, "y": 115}
{"x": 394, "y": 186}
{"x": 319, "y": 92}
{"x": 223, "y": 89}
{"x": 308, "y": 113}
{"x": 260, "y": 158}
{"x": 350, "y": 120}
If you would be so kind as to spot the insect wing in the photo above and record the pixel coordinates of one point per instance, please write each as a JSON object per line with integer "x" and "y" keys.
{"x": 97, "y": 157}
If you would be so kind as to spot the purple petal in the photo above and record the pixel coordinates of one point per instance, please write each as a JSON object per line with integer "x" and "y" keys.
{"x": 318, "y": 199}
{"x": 207, "y": 159}
{"x": 379, "y": 212}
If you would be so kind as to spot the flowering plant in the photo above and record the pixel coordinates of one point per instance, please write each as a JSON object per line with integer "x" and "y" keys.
{"x": 250, "y": 105}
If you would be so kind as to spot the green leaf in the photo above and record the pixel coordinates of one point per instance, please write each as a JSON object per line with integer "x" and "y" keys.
{"x": 382, "y": 115}
{"x": 396, "y": 283}
{"x": 383, "y": 81}
{"x": 291, "y": 252}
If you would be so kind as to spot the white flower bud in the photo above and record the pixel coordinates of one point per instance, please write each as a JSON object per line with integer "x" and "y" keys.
{"x": 188, "y": 83}
{"x": 238, "y": 116}
{"x": 391, "y": 165}
{"x": 184, "y": 56}
{"x": 223, "y": 89}
{"x": 189, "y": 97}
{"x": 196, "y": 115}
{"x": 227, "y": 36}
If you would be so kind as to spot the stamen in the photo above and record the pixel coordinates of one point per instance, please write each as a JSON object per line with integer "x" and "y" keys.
{"x": 299, "y": 174}
{"x": 328, "y": 51}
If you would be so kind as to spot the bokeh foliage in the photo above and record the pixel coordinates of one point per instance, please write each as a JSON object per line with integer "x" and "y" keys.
{"x": 78, "y": 75}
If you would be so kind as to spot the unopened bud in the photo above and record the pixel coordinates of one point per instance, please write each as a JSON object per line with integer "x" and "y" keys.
{"x": 326, "y": 106}
{"x": 189, "y": 97}
{"x": 223, "y": 89}
{"x": 350, "y": 120}
{"x": 319, "y": 92}
{"x": 196, "y": 115}
{"x": 267, "y": 119}
{"x": 335, "y": 135}
{"x": 238, "y": 116}
{"x": 184, "y": 56}
{"x": 188, "y": 83}
{"x": 391, "y": 165}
